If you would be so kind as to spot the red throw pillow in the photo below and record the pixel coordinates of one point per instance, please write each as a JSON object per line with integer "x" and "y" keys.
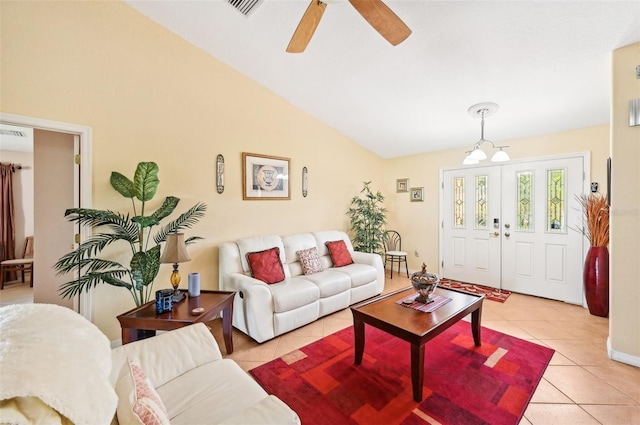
{"x": 266, "y": 266}
{"x": 339, "y": 253}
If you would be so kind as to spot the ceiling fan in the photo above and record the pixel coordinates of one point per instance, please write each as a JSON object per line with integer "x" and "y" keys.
{"x": 378, "y": 14}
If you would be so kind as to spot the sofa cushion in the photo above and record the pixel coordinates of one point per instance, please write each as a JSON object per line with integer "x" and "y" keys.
{"x": 297, "y": 242}
{"x": 210, "y": 393}
{"x": 292, "y": 293}
{"x": 330, "y": 282}
{"x": 259, "y": 243}
{"x": 339, "y": 253}
{"x": 310, "y": 260}
{"x": 266, "y": 266}
{"x": 138, "y": 402}
{"x": 361, "y": 274}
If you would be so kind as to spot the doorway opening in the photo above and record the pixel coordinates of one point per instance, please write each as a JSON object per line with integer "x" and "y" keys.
{"x": 80, "y": 190}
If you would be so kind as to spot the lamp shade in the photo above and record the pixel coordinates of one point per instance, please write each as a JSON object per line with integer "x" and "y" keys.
{"x": 175, "y": 251}
{"x": 468, "y": 160}
{"x": 478, "y": 154}
{"x": 500, "y": 156}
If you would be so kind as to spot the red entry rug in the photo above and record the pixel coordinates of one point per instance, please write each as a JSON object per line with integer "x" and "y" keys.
{"x": 463, "y": 384}
{"x": 490, "y": 293}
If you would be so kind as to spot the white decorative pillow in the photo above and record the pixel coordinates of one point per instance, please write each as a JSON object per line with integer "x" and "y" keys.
{"x": 310, "y": 260}
{"x": 138, "y": 401}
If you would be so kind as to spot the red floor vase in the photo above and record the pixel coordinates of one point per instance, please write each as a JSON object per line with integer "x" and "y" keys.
{"x": 596, "y": 280}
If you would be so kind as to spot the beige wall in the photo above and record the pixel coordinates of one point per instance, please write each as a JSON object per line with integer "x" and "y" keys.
{"x": 418, "y": 221}
{"x": 151, "y": 96}
{"x": 624, "y": 323}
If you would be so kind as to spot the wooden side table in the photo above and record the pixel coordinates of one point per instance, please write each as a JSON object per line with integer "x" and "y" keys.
{"x": 146, "y": 318}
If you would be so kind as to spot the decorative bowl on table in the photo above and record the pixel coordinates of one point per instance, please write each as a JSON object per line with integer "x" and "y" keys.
{"x": 424, "y": 283}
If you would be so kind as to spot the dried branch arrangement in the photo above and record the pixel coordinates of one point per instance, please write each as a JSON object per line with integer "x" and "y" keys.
{"x": 595, "y": 224}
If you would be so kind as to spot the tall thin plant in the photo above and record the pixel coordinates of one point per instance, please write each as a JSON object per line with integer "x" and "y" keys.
{"x": 134, "y": 231}
{"x": 595, "y": 218}
{"x": 368, "y": 220}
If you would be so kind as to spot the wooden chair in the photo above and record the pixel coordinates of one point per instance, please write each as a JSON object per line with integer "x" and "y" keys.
{"x": 393, "y": 251}
{"x": 23, "y": 265}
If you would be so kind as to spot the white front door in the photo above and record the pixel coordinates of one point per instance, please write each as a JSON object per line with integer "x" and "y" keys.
{"x": 510, "y": 227}
{"x": 471, "y": 246}
{"x": 541, "y": 251}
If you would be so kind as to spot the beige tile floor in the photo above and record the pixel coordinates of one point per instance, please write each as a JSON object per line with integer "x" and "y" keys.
{"x": 580, "y": 386}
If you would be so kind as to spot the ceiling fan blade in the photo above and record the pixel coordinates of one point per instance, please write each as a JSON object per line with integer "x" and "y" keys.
{"x": 383, "y": 20}
{"x": 306, "y": 27}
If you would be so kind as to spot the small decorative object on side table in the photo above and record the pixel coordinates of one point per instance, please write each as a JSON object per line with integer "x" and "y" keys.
{"x": 175, "y": 251}
{"x": 424, "y": 283}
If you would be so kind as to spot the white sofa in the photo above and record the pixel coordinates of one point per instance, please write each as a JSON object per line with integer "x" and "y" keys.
{"x": 58, "y": 368}
{"x": 264, "y": 311}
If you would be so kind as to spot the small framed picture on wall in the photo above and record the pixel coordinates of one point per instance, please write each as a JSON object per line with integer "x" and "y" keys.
{"x": 402, "y": 185}
{"x": 417, "y": 194}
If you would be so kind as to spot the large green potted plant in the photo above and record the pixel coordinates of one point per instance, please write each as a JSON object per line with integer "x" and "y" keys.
{"x": 135, "y": 231}
{"x": 368, "y": 220}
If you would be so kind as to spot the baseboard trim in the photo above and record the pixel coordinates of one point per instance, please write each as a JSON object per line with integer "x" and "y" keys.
{"x": 622, "y": 357}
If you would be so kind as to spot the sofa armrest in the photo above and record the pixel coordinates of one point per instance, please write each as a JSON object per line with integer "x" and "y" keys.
{"x": 168, "y": 355}
{"x": 269, "y": 410}
{"x": 254, "y": 303}
{"x": 374, "y": 260}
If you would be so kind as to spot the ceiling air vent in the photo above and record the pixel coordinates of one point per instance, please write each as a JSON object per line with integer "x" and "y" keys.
{"x": 246, "y": 7}
{"x": 13, "y": 133}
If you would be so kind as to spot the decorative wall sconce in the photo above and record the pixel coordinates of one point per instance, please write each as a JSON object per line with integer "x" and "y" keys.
{"x": 220, "y": 173}
{"x": 634, "y": 112}
{"x": 305, "y": 182}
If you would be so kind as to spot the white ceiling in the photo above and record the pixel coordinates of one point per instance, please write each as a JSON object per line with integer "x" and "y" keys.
{"x": 546, "y": 63}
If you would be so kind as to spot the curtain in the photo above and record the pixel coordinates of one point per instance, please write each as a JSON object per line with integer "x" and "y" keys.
{"x": 7, "y": 217}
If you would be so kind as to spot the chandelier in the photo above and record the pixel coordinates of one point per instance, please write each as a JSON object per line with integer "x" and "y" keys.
{"x": 475, "y": 155}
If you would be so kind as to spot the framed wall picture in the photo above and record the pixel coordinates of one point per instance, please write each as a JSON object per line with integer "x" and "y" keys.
{"x": 265, "y": 177}
{"x": 402, "y": 185}
{"x": 417, "y": 194}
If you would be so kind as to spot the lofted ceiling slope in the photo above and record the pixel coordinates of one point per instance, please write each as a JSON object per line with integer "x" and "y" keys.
{"x": 546, "y": 63}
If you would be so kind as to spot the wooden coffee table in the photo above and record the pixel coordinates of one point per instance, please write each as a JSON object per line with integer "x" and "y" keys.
{"x": 145, "y": 316}
{"x": 415, "y": 326}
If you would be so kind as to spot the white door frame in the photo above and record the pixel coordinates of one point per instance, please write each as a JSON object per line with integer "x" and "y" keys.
{"x": 586, "y": 189}
{"x": 82, "y": 304}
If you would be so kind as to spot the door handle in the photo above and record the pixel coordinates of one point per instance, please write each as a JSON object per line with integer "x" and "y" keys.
{"x": 496, "y": 234}
{"x": 507, "y": 234}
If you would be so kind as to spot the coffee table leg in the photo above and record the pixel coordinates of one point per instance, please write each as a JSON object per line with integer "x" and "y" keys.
{"x": 227, "y": 331}
{"x": 358, "y": 331}
{"x": 417, "y": 370}
{"x": 475, "y": 326}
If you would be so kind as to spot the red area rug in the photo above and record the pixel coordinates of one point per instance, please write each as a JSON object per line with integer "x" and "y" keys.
{"x": 492, "y": 294}
{"x": 463, "y": 384}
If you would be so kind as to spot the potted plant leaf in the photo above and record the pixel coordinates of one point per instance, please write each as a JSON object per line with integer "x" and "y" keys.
{"x": 133, "y": 231}
{"x": 368, "y": 220}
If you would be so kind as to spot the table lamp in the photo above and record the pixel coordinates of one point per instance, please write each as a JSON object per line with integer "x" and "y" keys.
{"x": 175, "y": 251}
